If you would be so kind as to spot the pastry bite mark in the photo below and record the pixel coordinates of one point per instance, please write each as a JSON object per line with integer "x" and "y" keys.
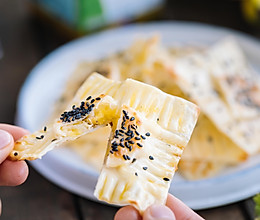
{"x": 79, "y": 119}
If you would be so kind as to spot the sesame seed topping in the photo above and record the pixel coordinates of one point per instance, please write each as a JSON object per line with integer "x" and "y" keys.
{"x": 147, "y": 134}
{"x": 78, "y": 112}
{"x": 123, "y": 127}
{"x": 55, "y": 139}
{"x": 125, "y": 113}
{"x": 136, "y": 174}
{"x": 98, "y": 98}
{"x": 143, "y": 137}
{"x": 126, "y": 144}
{"x": 128, "y": 138}
{"x": 124, "y": 156}
{"x": 92, "y": 100}
{"x": 133, "y": 127}
{"x": 132, "y": 118}
{"x": 166, "y": 179}
{"x": 140, "y": 145}
{"x": 145, "y": 168}
{"x": 111, "y": 151}
{"x": 151, "y": 158}
{"x": 15, "y": 154}
{"x": 45, "y": 128}
{"x": 134, "y": 159}
{"x": 137, "y": 133}
{"x": 89, "y": 97}
{"x": 121, "y": 145}
{"x": 137, "y": 138}
{"x": 122, "y": 139}
{"x": 131, "y": 142}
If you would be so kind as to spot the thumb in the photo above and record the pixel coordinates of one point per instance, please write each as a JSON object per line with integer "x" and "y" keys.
{"x": 6, "y": 144}
{"x": 158, "y": 212}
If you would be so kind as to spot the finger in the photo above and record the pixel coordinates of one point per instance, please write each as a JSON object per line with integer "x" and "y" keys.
{"x": 180, "y": 210}
{"x": 158, "y": 212}
{"x": 15, "y": 131}
{"x": 127, "y": 213}
{"x": 6, "y": 144}
{"x": 13, "y": 173}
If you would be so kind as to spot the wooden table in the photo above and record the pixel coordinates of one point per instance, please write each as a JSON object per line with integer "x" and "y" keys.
{"x": 25, "y": 42}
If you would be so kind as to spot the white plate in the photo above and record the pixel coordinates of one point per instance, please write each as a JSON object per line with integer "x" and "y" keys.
{"x": 67, "y": 170}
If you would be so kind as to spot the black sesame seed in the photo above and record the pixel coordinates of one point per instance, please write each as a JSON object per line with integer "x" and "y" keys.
{"x": 158, "y": 119}
{"x": 128, "y": 158}
{"x": 131, "y": 142}
{"x": 137, "y": 133}
{"x": 126, "y": 144}
{"x": 111, "y": 151}
{"x": 136, "y": 174}
{"x": 123, "y": 127}
{"x": 145, "y": 168}
{"x": 121, "y": 145}
{"x": 143, "y": 137}
{"x": 125, "y": 113}
{"x": 137, "y": 138}
{"x": 132, "y": 118}
{"x": 130, "y": 148}
{"x": 128, "y": 138}
{"x": 122, "y": 139}
{"x": 114, "y": 143}
{"x": 133, "y": 127}
{"x": 15, "y": 154}
{"x": 134, "y": 159}
{"x": 151, "y": 158}
{"x": 55, "y": 139}
{"x": 45, "y": 128}
{"x": 89, "y": 98}
{"x": 117, "y": 132}
{"x": 92, "y": 100}
{"x": 166, "y": 179}
{"x": 125, "y": 157}
{"x": 98, "y": 98}
{"x": 92, "y": 106}
{"x": 121, "y": 131}
{"x": 140, "y": 145}
{"x": 147, "y": 134}
{"x": 127, "y": 117}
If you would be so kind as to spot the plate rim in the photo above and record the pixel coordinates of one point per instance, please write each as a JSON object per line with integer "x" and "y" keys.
{"x": 60, "y": 49}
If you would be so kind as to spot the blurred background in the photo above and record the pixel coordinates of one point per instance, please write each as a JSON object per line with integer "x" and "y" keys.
{"x": 29, "y": 30}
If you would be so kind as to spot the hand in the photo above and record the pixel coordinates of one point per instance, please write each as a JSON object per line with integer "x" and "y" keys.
{"x": 12, "y": 173}
{"x": 174, "y": 209}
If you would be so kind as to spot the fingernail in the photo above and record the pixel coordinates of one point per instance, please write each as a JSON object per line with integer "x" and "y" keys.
{"x": 160, "y": 212}
{"x": 5, "y": 139}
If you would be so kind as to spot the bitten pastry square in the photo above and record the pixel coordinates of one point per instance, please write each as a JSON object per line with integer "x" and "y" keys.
{"x": 145, "y": 146}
